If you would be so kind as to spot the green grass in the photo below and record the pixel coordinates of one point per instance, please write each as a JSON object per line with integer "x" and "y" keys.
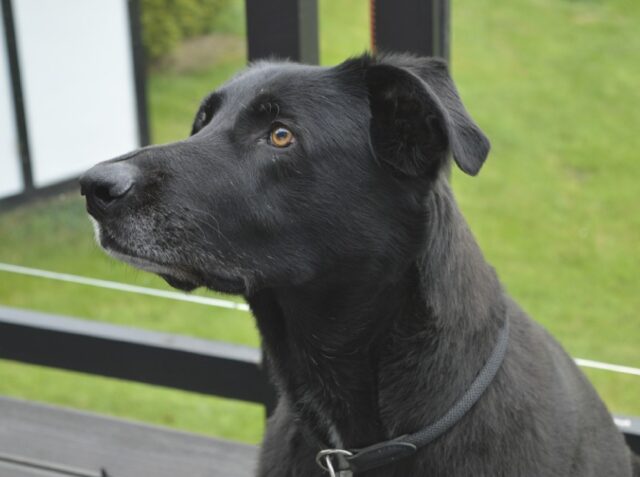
{"x": 552, "y": 82}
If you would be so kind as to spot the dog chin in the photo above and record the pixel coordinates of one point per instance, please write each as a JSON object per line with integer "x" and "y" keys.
{"x": 232, "y": 286}
{"x": 179, "y": 283}
{"x": 175, "y": 277}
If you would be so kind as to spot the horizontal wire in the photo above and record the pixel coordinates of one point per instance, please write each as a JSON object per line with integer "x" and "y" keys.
{"x": 125, "y": 287}
{"x": 616, "y": 368}
{"x": 95, "y": 282}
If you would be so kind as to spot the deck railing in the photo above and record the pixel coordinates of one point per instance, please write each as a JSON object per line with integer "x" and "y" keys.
{"x": 282, "y": 28}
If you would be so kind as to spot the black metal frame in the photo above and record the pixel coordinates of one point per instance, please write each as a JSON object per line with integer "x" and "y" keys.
{"x": 18, "y": 98}
{"x": 285, "y": 29}
{"x": 400, "y": 26}
{"x": 139, "y": 70}
{"x": 30, "y": 191}
{"x": 36, "y": 193}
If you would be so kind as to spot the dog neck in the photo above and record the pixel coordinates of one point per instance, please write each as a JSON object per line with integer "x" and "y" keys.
{"x": 360, "y": 361}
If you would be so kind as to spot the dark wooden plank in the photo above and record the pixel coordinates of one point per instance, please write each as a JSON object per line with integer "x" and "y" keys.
{"x": 630, "y": 426}
{"x": 92, "y": 443}
{"x": 10, "y": 470}
{"x": 15, "y": 465}
{"x": 163, "y": 359}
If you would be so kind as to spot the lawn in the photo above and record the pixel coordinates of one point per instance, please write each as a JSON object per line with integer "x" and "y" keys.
{"x": 554, "y": 85}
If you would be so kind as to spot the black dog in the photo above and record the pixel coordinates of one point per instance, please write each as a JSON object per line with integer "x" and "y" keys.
{"x": 321, "y": 195}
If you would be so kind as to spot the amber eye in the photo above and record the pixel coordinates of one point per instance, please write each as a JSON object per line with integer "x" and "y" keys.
{"x": 281, "y": 137}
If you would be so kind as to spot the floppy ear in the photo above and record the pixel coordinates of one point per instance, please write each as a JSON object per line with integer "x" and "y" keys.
{"x": 205, "y": 113}
{"x": 199, "y": 122}
{"x": 417, "y": 118}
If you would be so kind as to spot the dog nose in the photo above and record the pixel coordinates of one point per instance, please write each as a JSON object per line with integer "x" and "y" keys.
{"x": 105, "y": 184}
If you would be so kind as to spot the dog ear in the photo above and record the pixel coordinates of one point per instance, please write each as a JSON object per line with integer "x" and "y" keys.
{"x": 407, "y": 125}
{"x": 199, "y": 122}
{"x": 205, "y": 113}
{"x": 417, "y": 118}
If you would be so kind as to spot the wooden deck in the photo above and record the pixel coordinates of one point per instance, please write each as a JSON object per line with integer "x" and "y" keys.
{"x": 39, "y": 440}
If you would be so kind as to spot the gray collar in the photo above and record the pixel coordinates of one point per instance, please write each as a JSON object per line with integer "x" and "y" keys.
{"x": 343, "y": 463}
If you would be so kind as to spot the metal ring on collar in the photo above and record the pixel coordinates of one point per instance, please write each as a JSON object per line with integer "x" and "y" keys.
{"x": 323, "y": 459}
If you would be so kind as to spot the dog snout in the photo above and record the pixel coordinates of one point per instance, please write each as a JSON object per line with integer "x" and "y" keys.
{"x": 106, "y": 184}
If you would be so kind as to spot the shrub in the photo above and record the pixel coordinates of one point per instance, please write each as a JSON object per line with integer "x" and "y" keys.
{"x": 167, "y": 22}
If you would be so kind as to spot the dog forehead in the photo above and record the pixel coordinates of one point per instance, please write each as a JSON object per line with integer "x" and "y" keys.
{"x": 284, "y": 81}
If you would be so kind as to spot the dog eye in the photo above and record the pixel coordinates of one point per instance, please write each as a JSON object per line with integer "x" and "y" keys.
{"x": 280, "y": 137}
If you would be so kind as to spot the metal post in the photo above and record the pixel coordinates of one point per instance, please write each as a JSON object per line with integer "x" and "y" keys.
{"x": 286, "y": 29}
{"x": 414, "y": 26}
{"x": 139, "y": 71}
{"x": 18, "y": 98}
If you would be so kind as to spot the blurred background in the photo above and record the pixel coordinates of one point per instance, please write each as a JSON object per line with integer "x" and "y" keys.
{"x": 553, "y": 83}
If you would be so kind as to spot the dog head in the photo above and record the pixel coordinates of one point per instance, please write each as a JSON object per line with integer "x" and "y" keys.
{"x": 291, "y": 172}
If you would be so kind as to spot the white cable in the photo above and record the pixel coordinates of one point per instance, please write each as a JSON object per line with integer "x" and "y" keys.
{"x": 95, "y": 282}
{"x": 616, "y": 368}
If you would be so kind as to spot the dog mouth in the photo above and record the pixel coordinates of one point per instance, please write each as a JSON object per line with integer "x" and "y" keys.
{"x": 177, "y": 276}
